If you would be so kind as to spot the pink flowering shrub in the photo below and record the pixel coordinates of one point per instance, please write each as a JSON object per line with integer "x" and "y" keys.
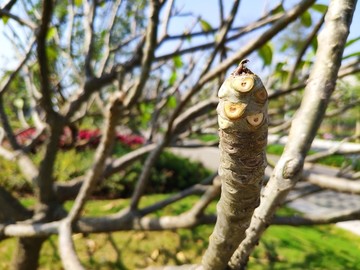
{"x": 83, "y": 138}
{"x": 130, "y": 140}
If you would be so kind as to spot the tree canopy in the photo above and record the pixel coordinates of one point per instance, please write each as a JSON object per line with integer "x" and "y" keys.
{"x": 90, "y": 75}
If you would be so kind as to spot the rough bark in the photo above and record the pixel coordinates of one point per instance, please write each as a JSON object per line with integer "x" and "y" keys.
{"x": 67, "y": 249}
{"x": 317, "y": 94}
{"x": 27, "y": 252}
{"x": 11, "y": 210}
{"x": 333, "y": 183}
{"x": 242, "y": 117}
{"x": 187, "y": 220}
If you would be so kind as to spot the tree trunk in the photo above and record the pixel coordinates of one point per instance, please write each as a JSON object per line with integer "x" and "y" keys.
{"x": 11, "y": 209}
{"x": 27, "y": 253}
{"x": 242, "y": 115}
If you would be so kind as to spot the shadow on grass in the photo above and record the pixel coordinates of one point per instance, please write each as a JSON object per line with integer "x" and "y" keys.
{"x": 323, "y": 247}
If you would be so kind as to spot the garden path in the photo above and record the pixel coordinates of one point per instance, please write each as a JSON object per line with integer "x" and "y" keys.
{"x": 320, "y": 202}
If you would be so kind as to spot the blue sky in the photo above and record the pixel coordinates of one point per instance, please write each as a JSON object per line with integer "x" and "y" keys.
{"x": 249, "y": 10}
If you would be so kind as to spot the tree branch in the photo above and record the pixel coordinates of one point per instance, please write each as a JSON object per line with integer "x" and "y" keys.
{"x": 5, "y": 84}
{"x": 6, "y": 13}
{"x": 243, "y": 124}
{"x": 69, "y": 190}
{"x": 67, "y": 251}
{"x": 333, "y": 183}
{"x": 148, "y": 54}
{"x": 106, "y": 46}
{"x": 279, "y": 25}
{"x": 303, "y": 49}
{"x": 89, "y": 15}
{"x": 304, "y": 127}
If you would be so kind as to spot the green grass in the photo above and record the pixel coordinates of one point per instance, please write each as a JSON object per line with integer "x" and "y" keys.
{"x": 170, "y": 173}
{"x": 333, "y": 160}
{"x": 321, "y": 247}
{"x": 205, "y": 137}
{"x": 275, "y": 149}
{"x": 281, "y": 247}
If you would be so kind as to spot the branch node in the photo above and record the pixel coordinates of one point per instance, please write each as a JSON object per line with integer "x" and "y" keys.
{"x": 242, "y": 69}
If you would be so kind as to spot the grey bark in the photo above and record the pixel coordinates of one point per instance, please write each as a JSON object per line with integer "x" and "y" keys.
{"x": 26, "y": 254}
{"x": 242, "y": 116}
{"x": 317, "y": 94}
{"x": 11, "y": 209}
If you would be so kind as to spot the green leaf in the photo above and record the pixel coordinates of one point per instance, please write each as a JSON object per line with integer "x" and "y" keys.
{"x": 282, "y": 75}
{"x": 280, "y": 71}
{"x": 146, "y": 110}
{"x": 266, "y": 53}
{"x": 350, "y": 42}
{"x": 61, "y": 11}
{"x": 188, "y": 38}
{"x": 51, "y": 53}
{"x": 314, "y": 44}
{"x": 172, "y": 78}
{"x": 172, "y": 102}
{"x": 319, "y": 8}
{"x": 205, "y": 26}
{"x": 177, "y": 61}
{"x": 51, "y": 33}
{"x": 19, "y": 103}
{"x": 284, "y": 47}
{"x": 351, "y": 55}
{"x": 5, "y": 19}
{"x": 78, "y": 3}
{"x": 278, "y": 9}
{"x": 306, "y": 19}
{"x": 279, "y": 66}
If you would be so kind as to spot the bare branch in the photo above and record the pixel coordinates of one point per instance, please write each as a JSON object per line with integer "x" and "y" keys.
{"x": 344, "y": 215}
{"x": 165, "y": 24}
{"x": 101, "y": 155}
{"x": 333, "y": 183}
{"x": 221, "y": 36}
{"x": 343, "y": 72}
{"x": 335, "y": 149}
{"x": 68, "y": 190}
{"x": 91, "y": 85}
{"x": 44, "y": 181}
{"x": 66, "y": 247}
{"x": 6, "y": 13}
{"x": 279, "y": 25}
{"x": 109, "y": 29}
{"x": 145, "y": 173}
{"x": 7, "y": 127}
{"x": 89, "y": 14}
{"x": 11, "y": 210}
{"x": 183, "y": 120}
{"x": 71, "y": 16}
{"x": 5, "y": 84}
{"x": 242, "y": 31}
{"x": 67, "y": 250}
{"x": 306, "y": 122}
{"x": 148, "y": 54}
{"x": 198, "y": 188}
{"x": 243, "y": 127}
{"x": 303, "y": 49}
{"x": 341, "y": 110}
{"x": 45, "y": 100}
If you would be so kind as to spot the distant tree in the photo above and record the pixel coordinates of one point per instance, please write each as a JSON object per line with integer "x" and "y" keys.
{"x": 117, "y": 65}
